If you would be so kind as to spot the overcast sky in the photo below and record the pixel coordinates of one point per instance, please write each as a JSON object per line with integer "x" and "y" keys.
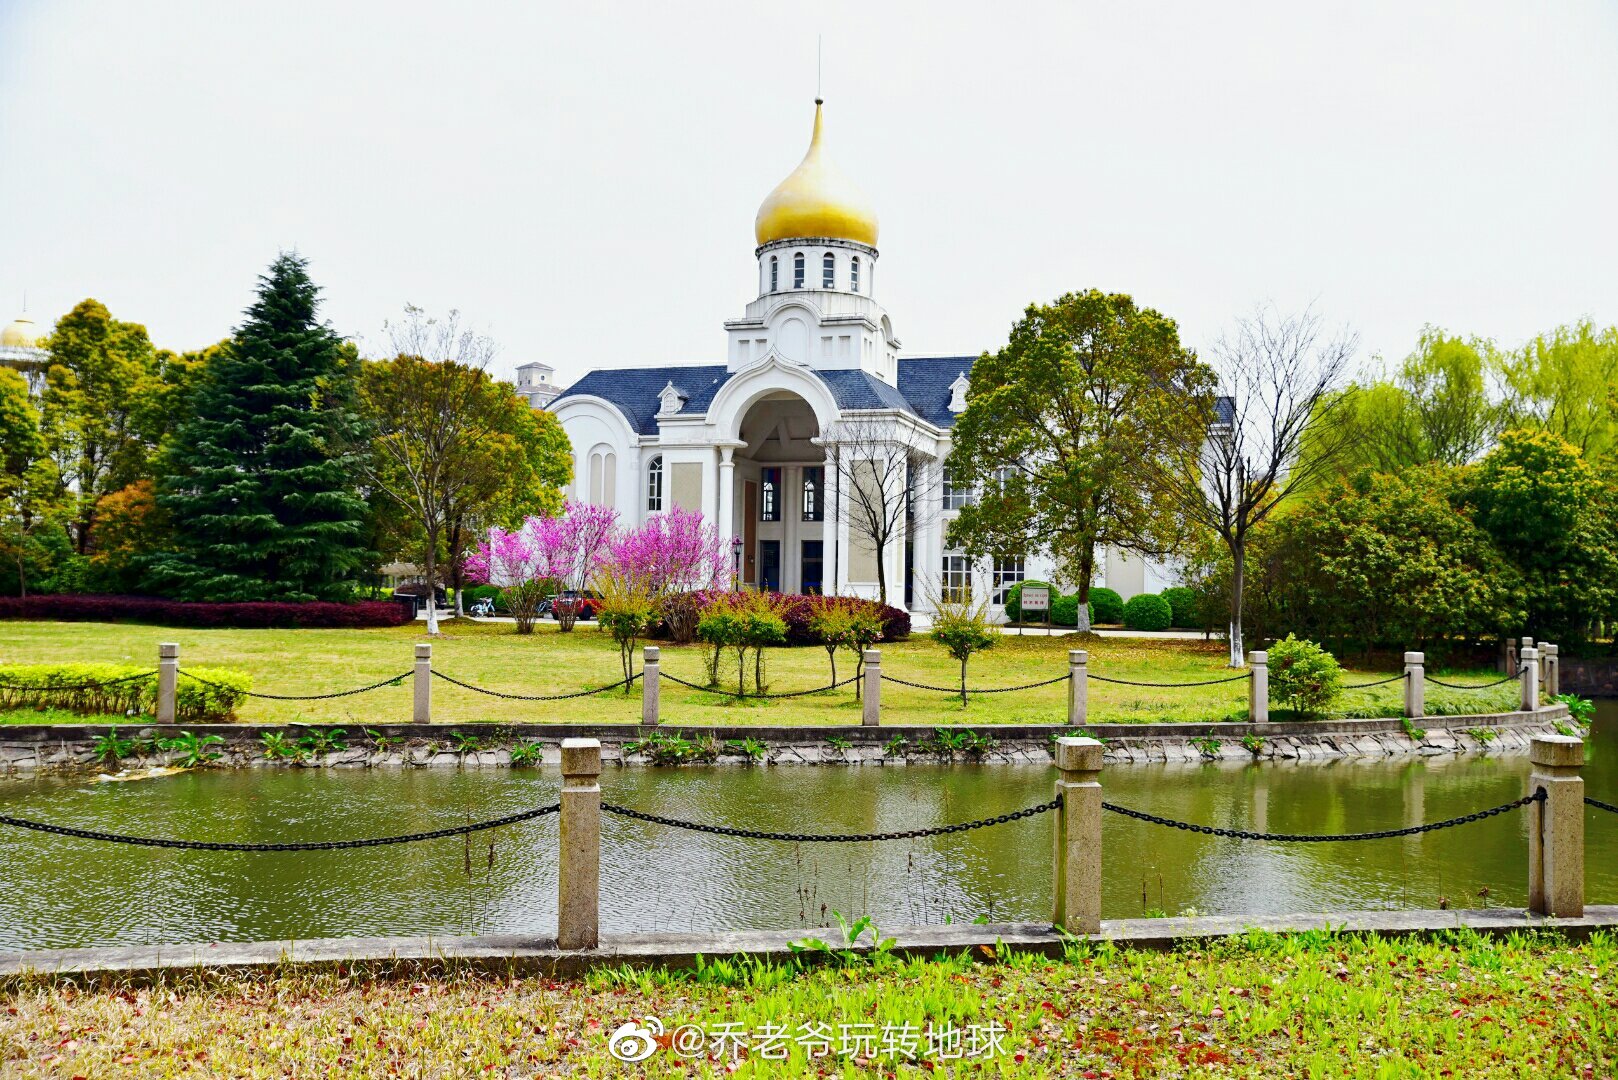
{"x": 581, "y": 181}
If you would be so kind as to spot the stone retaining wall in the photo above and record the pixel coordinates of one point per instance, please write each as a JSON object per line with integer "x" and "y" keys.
{"x": 1589, "y": 678}
{"x": 69, "y": 747}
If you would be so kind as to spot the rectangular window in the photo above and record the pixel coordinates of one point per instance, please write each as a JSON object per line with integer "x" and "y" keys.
{"x": 797, "y": 270}
{"x": 955, "y": 581}
{"x": 1008, "y": 570}
{"x": 814, "y": 478}
{"x": 769, "y": 502}
{"x": 854, "y": 275}
{"x": 956, "y": 494}
{"x": 775, "y": 274}
{"x": 828, "y": 272}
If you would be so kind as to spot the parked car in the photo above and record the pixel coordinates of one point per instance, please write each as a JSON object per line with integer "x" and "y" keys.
{"x": 587, "y": 602}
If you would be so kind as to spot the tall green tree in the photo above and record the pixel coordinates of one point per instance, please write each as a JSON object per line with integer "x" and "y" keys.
{"x": 32, "y": 498}
{"x": 1073, "y": 429}
{"x": 101, "y": 373}
{"x": 1552, "y": 516}
{"x": 259, "y": 482}
{"x": 1566, "y": 383}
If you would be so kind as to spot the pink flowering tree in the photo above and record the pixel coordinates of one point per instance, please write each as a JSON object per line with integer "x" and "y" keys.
{"x": 542, "y": 556}
{"x": 644, "y": 566}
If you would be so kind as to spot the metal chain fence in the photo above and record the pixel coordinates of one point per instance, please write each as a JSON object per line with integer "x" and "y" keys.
{"x": 972, "y": 689}
{"x": 536, "y": 697}
{"x": 1163, "y": 685}
{"x": 1599, "y": 805}
{"x": 1479, "y": 686}
{"x": 314, "y": 845}
{"x": 829, "y": 838}
{"x": 1318, "y": 838}
{"x": 734, "y": 694}
{"x": 394, "y": 681}
{"x": 1378, "y": 682}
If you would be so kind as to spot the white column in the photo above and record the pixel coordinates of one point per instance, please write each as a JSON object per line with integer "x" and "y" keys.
{"x": 727, "y": 495}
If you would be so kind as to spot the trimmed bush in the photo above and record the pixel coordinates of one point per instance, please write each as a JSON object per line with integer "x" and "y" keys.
{"x": 41, "y": 686}
{"x": 1106, "y": 606}
{"x": 249, "y": 616}
{"x": 1183, "y": 602}
{"x": 1014, "y": 599}
{"x": 472, "y": 595}
{"x": 1065, "y": 610}
{"x": 1148, "y": 611}
{"x": 1304, "y": 676}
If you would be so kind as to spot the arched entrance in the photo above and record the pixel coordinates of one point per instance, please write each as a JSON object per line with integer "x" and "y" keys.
{"x": 782, "y": 497}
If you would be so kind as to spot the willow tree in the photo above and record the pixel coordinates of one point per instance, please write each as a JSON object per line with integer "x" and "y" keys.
{"x": 1071, "y": 432}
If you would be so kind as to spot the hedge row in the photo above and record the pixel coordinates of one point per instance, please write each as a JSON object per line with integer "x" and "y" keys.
{"x": 1178, "y": 606}
{"x": 257, "y": 615}
{"x": 63, "y": 686}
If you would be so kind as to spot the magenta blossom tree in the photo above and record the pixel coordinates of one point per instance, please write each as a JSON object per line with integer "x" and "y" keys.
{"x": 672, "y": 552}
{"x": 543, "y": 556}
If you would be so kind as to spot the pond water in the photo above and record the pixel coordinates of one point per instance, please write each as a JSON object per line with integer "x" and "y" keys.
{"x": 63, "y": 892}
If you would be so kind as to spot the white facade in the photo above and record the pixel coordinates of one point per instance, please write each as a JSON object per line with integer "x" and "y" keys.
{"x": 809, "y": 398}
{"x": 537, "y": 383}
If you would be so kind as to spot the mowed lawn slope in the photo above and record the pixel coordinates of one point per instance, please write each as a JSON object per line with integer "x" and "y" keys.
{"x": 494, "y": 656}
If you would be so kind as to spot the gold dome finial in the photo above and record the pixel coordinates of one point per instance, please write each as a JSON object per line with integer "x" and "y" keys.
{"x": 816, "y": 200}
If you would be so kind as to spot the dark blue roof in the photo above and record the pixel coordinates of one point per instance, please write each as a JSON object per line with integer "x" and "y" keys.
{"x": 635, "y": 390}
{"x": 1224, "y": 410}
{"x": 923, "y": 389}
{"x": 925, "y": 382}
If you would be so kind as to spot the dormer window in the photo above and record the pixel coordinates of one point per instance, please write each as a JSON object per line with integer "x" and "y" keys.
{"x": 957, "y": 393}
{"x": 775, "y": 274}
{"x": 670, "y": 400}
{"x": 797, "y": 270}
{"x": 828, "y": 271}
{"x": 854, "y": 274}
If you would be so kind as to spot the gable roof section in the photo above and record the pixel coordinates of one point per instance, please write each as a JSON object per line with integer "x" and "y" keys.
{"x": 855, "y": 389}
{"x": 925, "y": 380}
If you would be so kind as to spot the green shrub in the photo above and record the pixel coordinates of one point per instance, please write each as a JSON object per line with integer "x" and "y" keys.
{"x": 1304, "y": 676}
{"x": 1183, "y": 602}
{"x": 1065, "y": 610}
{"x": 1148, "y": 611}
{"x": 37, "y": 686}
{"x": 1106, "y": 606}
{"x": 1014, "y": 600}
{"x": 473, "y": 594}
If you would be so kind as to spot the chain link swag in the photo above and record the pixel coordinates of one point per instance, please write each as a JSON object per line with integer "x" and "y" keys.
{"x": 1318, "y": 838}
{"x": 829, "y": 838}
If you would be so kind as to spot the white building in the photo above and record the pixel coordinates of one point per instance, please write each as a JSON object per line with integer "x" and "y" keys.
{"x": 811, "y": 399}
{"x": 20, "y": 349}
{"x": 537, "y": 383}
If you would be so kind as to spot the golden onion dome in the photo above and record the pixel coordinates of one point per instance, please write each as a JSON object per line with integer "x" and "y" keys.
{"x": 21, "y": 333}
{"x": 816, "y": 200}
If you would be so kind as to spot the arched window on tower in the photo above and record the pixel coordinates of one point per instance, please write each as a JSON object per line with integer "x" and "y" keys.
{"x": 797, "y": 270}
{"x": 775, "y": 274}
{"x": 854, "y": 274}
{"x": 828, "y": 271}
{"x": 654, "y": 486}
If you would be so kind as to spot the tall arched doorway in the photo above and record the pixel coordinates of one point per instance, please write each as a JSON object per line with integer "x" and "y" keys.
{"x": 782, "y": 495}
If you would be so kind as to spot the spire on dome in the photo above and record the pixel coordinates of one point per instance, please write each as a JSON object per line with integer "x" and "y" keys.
{"x": 816, "y": 200}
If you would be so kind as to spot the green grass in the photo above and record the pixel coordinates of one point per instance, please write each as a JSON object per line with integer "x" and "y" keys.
{"x": 1305, "y": 1005}
{"x": 494, "y": 656}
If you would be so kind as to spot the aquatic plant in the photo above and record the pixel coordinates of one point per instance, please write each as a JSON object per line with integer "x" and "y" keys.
{"x": 194, "y": 750}
{"x": 111, "y": 748}
{"x": 525, "y": 754}
{"x": 752, "y": 749}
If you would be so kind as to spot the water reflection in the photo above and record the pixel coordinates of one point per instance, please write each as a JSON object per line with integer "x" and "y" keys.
{"x": 63, "y": 892}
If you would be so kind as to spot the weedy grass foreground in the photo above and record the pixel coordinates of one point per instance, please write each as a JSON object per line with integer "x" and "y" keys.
{"x": 1304, "y": 1005}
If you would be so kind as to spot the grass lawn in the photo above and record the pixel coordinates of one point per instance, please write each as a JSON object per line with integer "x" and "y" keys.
{"x": 1307, "y": 1005}
{"x": 495, "y": 656}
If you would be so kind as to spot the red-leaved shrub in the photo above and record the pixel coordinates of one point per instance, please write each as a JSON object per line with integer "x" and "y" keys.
{"x": 256, "y": 615}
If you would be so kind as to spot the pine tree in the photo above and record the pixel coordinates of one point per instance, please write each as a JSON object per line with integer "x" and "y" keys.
{"x": 259, "y": 481}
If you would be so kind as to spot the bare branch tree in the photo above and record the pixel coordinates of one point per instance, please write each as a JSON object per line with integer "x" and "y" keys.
{"x": 1281, "y": 375}
{"x": 881, "y": 476}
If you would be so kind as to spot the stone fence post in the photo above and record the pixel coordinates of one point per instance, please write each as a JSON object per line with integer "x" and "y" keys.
{"x": 648, "y": 686}
{"x": 578, "y": 901}
{"x": 1078, "y": 836}
{"x": 1415, "y": 684}
{"x": 1550, "y": 669}
{"x": 1556, "y": 827}
{"x": 872, "y": 715}
{"x": 423, "y": 713}
{"x": 1258, "y": 688}
{"x": 168, "y": 678}
{"x": 1078, "y": 686}
{"x": 1530, "y": 678}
